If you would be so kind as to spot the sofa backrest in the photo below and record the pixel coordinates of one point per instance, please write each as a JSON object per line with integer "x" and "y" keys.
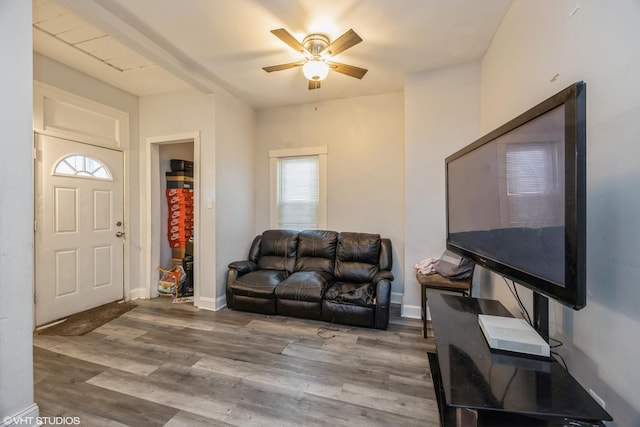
{"x": 278, "y": 250}
{"x": 357, "y": 257}
{"x": 316, "y": 251}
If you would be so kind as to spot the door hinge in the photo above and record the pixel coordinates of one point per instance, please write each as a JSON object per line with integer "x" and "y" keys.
{"x": 35, "y": 226}
{"x": 35, "y": 153}
{"x": 34, "y": 298}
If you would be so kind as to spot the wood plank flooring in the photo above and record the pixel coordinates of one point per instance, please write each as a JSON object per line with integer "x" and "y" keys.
{"x": 164, "y": 364}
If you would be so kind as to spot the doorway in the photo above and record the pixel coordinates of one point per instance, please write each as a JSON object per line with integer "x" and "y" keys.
{"x": 159, "y": 252}
{"x": 79, "y": 228}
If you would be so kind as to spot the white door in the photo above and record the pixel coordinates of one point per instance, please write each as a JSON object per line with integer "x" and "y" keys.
{"x": 79, "y": 227}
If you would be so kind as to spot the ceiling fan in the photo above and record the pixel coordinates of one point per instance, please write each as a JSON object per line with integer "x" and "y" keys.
{"x": 318, "y": 52}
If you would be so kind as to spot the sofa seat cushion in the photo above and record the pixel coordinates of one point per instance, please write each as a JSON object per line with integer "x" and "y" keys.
{"x": 360, "y": 294}
{"x": 258, "y": 284}
{"x": 304, "y": 286}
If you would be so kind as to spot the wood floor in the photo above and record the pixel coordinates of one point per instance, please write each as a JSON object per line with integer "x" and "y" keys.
{"x": 164, "y": 364}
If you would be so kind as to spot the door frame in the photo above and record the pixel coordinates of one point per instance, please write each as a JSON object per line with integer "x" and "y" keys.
{"x": 154, "y": 201}
{"x": 126, "y": 267}
{"x": 83, "y": 120}
{"x": 125, "y": 209}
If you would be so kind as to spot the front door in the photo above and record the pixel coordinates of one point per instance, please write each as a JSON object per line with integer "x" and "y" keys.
{"x": 79, "y": 227}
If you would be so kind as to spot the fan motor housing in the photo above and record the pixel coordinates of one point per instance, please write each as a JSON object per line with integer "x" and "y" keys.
{"x": 315, "y": 43}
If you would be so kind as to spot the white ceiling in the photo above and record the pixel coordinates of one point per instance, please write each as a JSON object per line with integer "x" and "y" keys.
{"x": 154, "y": 46}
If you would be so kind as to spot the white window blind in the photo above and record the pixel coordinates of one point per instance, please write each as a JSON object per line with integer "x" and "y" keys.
{"x": 529, "y": 169}
{"x": 298, "y": 199}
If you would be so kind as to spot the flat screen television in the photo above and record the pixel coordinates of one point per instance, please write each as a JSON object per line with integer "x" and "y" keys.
{"x": 516, "y": 198}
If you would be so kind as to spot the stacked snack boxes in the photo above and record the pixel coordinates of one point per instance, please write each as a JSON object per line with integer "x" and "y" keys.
{"x": 180, "y": 203}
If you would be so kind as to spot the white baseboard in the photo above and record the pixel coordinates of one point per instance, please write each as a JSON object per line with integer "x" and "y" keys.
{"x": 411, "y": 311}
{"x": 138, "y": 293}
{"x": 396, "y": 298}
{"x": 213, "y": 304}
{"x": 27, "y": 417}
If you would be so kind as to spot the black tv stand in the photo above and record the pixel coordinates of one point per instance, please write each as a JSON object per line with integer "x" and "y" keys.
{"x": 479, "y": 387}
{"x": 541, "y": 314}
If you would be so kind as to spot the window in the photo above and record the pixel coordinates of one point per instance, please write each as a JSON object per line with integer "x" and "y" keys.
{"x": 79, "y": 165}
{"x": 298, "y": 188}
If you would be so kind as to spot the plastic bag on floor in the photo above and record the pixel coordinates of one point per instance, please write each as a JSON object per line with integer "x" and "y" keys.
{"x": 170, "y": 279}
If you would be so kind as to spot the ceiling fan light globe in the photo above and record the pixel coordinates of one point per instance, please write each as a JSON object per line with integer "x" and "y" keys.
{"x": 315, "y": 70}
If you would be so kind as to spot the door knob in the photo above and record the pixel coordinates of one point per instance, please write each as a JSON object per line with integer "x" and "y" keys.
{"x": 119, "y": 234}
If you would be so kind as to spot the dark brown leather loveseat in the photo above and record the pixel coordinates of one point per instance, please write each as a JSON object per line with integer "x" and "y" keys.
{"x": 315, "y": 274}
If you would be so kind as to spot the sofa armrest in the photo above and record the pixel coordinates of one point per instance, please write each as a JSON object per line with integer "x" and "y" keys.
{"x": 383, "y": 303}
{"x": 382, "y": 275}
{"x": 243, "y": 267}
{"x": 232, "y": 275}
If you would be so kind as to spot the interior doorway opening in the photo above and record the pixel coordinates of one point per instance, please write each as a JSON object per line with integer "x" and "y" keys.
{"x": 159, "y": 249}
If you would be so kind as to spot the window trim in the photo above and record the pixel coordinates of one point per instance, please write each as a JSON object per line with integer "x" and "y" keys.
{"x": 274, "y": 157}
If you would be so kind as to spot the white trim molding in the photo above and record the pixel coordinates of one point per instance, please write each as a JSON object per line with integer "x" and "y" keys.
{"x": 63, "y": 114}
{"x": 396, "y": 298}
{"x": 66, "y": 115}
{"x": 151, "y": 240}
{"x": 274, "y": 156}
{"x": 411, "y": 311}
{"x": 213, "y": 304}
{"x": 138, "y": 293}
{"x": 27, "y": 417}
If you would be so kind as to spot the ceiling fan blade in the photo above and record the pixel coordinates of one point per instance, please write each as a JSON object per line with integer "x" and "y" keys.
{"x": 291, "y": 41}
{"x": 349, "y": 70}
{"x": 342, "y": 43}
{"x": 314, "y": 84}
{"x": 283, "y": 66}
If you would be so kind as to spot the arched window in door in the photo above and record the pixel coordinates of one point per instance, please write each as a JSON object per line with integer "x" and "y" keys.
{"x": 79, "y": 165}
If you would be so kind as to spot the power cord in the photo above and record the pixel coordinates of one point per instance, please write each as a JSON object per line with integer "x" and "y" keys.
{"x": 514, "y": 292}
{"x": 324, "y": 329}
{"x": 524, "y": 312}
{"x": 564, "y": 364}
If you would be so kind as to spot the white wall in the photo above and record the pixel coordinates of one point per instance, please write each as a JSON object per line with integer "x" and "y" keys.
{"x": 441, "y": 116}
{"x": 365, "y": 179}
{"x": 16, "y": 211}
{"x": 226, "y": 128}
{"x": 598, "y": 44}
{"x": 235, "y": 183}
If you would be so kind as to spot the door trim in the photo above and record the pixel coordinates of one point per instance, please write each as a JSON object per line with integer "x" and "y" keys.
{"x": 152, "y": 239}
{"x": 118, "y": 138}
{"x": 126, "y": 282}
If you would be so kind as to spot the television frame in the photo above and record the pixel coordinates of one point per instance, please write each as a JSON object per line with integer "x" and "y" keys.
{"x": 573, "y": 292}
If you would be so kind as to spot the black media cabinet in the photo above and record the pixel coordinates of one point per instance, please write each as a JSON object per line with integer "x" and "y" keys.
{"x": 476, "y": 386}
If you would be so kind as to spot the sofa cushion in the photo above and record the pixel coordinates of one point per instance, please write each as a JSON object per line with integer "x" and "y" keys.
{"x": 348, "y": 314}
{"x": 304, "y": 286}
{"x": 278, "y": 250}
{"x": 361, "y": 294}
{"x": 316, "y": 251}
{"x": 258, "y": 284}
{"x": 357, "y": 257}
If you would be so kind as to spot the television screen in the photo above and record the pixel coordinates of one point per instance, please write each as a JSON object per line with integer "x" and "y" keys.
{"x": 516, "y": 198}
